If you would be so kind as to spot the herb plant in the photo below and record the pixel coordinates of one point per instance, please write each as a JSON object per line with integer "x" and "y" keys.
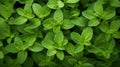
{"x": 59, "y": 33}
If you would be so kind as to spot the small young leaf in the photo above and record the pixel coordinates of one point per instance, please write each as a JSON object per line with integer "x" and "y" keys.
{"x": 58, "y": 15}
{"x": 60, "y": 55}
{"x": 21, "y": 57}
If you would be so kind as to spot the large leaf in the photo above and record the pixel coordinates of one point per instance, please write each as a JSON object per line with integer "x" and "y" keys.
{"x": 58, "y": 15}
{"x": 87, "y": 34}
{"x": 4, "y": 29}
{"x": 40, "y": 11}
{"x": 76, "y": 37}
{"x": 22, "y": 56}
{"x": 60, "y": 55}
{"x": 51, "y": 52}
{"x": 59, "y": 37}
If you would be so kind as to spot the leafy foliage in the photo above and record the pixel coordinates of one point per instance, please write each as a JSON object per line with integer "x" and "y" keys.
{"x": 59, "y": 33}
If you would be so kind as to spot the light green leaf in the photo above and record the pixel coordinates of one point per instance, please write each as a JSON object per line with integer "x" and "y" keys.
{"x": 98, "y": 8}
{"x": 59, "y": 37}
{"x": 78, "y": 48}
{"x": 55, "y": 4}
{"x": 6, "y": 10}
{"x": 71, "y": 1}
{"x": 51, "y": 52}
{"x": 58, "y": 15}
{"x": 93, "y": 22}
{"x": 108, "y": 14}
{"x": 115, "y": 3}
{"x": 40, "y": 11}
{"x": 89, "y": 14}
{"x": 11, "y": 48}
{"x": 76, "y": 37}
{"x": 49, "y": 23}
{"x": 87, "y": 34}
{"x": 79, "y": 21}
{"x": 19, "y": 20}
{"x": 116, "y": 35}
{"x": 60, "y": 55}
{"x": 33, "y": 23}
{"x": 67, "y": 24}
{"x": 37, "y": 47}
{"x": 21, "y": 57}
{"x": 56, "y": 29}
{"x": 48, "y": 43}
{"x": 70, "y": 48}
{"x": 4, "y": 29}
{"x": 1, "y": 55}
{"x": 114, "y": 26}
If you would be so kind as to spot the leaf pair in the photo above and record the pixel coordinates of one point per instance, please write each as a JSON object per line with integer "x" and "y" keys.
{"x": 55, "y": 44}
{"x": 83, "y": 39}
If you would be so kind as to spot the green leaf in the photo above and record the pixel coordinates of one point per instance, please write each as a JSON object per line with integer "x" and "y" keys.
{"x": 40, "y": 11}
{"x": 114, "y": 26}
{"x": 11, "y": 48}
{"x": 28, "y": 40}
{"x": 76, "y": 37}
{"x": 51, "y": 52}
{"x": 98, "y": 8}
{"x": 6, "y": 10}
{"x": 49, "y": 23}
{"x": 87, "y": 34}
{"x": 115, "y": 3}
{"x": 59, "y": 37}
{"x": 108, "y": 14}
{"x": 70, "y": 48}
{"x": 56, "y": 29}
{"x": 19, "y": 20}
{"x": 1, "y": 55}
{"x": 60, "y": 55}
{"x": 78, "y": 48}
{"x": 93, "y": 22}
{"x": 48, "y": 43}
{"x": 67, "y": 24}
{"x": 89, "y": 14}
{"x": 21, "y": 57}
{"x": 37, "y": 47}
{"x": 116, "y": 35}
{"x": 58, "y": 15}
{"x": 80, "y": 21}
{"x": 1, "y": 44}
{"x": 71, "y": 1}
{"x": 55, "y": 4}
{"x": 4, "y": 29}
{"x": 104, "y": 27}
{"x": 33, "y": 23}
